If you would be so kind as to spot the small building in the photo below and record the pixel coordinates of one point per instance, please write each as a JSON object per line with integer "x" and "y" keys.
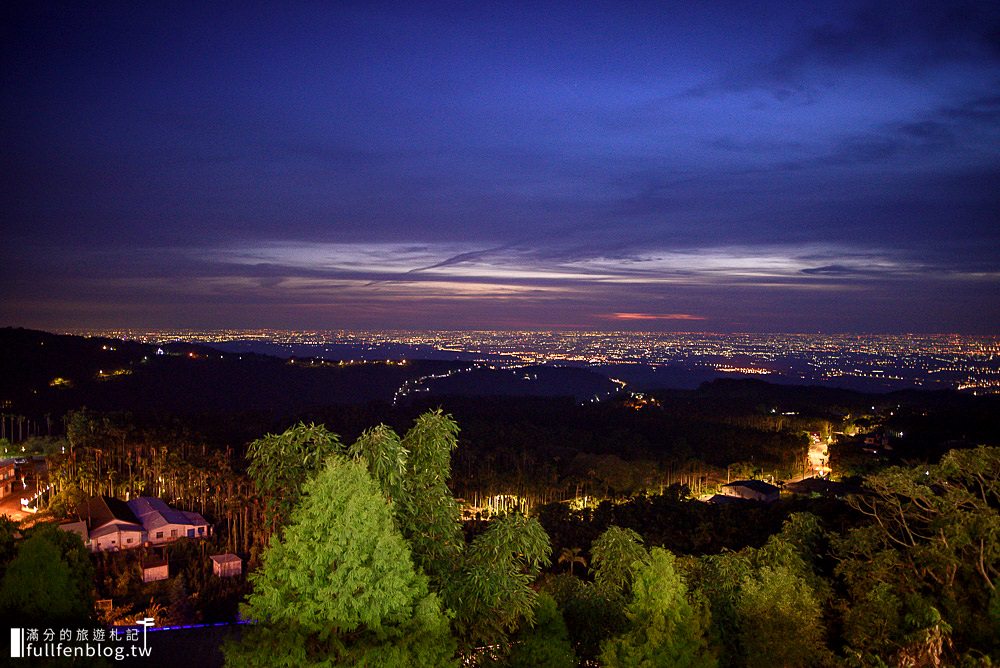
{"x": 155, "y": 568}
{"x": 8, "y": 476}
{"x": 752, "y": 490}
{"x": 226, "y": 565}
{"x": 164, "y": 524}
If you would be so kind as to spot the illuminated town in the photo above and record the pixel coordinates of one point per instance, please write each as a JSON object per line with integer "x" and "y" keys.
{"x": 939, "y": 361}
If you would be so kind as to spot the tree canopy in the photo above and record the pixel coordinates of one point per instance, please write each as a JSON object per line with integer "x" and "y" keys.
{"x": 281, "y": 463}
{"x": 339, "y": 586}
{"x": 49, "y": 581}
{"x": 614, "y": 556}
{"x": 666, "y": 629}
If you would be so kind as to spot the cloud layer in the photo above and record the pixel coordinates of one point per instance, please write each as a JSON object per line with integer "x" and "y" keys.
{"x": 757, "y": 165}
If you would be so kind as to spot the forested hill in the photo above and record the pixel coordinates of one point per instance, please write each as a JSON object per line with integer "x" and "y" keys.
{"x": 45, "y": 373}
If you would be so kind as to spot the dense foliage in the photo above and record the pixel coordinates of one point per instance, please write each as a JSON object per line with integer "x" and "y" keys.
{"x": 339, "y": 587}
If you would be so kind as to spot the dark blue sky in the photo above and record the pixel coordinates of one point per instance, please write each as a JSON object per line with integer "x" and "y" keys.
{"x": 691, "y": 166}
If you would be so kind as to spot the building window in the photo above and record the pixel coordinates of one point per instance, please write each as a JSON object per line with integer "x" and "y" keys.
{"x": 159, "y": 534}
{"x": 173, "y": 533}
{"x": 201, "y": 530}
{"x": 128, "y": 540}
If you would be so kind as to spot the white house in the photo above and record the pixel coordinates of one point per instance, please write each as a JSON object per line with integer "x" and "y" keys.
{"x": 752, "y": 490}
{"x": 111, "y": 524}
{"x": 164, "y": 524}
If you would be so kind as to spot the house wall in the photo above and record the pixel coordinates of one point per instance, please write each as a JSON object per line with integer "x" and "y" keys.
{"x": 154, "y": 573}
{"x": 116, "y": 540}
{"x": 228, "y": 569}
{"x": 7, "y": 478}
{"x": 747, "y": 493}
{"x": 171, "y": 532}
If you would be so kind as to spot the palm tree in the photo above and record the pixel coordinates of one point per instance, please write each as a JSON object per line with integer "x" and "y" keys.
{"x": 572, "y": 557}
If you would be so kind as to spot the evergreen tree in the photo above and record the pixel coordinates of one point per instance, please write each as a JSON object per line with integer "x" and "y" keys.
{"x": 339, "y": 587}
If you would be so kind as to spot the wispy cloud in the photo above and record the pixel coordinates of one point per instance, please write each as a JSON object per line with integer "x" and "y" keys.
{"x": 390, "y": 268}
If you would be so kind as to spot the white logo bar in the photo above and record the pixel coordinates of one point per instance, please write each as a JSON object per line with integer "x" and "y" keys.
{"x": 16, "y": 643}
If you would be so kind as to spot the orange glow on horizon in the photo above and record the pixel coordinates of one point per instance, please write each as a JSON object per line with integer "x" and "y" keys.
{"x": 655, "y": 316}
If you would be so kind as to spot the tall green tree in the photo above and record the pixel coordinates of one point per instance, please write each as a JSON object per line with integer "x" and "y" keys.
{"x": 339, "y": 587}
{"x": 613, "y": 557}
{"x": 666, "y": 628}
{"x": 491, "y": 593}
{"x": 743, "y": 621}
{"x": 718, "y": 577}
{"x": 281, "y": 463}
{"x": 429, "y": 515}
{"x": 487, "y": 583}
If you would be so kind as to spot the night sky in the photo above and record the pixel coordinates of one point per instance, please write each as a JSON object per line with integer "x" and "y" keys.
{"x": 723, "y": 166}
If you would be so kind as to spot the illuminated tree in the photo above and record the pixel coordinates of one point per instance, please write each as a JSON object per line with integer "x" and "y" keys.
{"x": 666, "y": 629}
{"x": 339, "y": 587}
{"x": 613, "y": 557}
{"x": 428, "y": 513}
{"x": 281, "y": 463}
{"x": 487, "y": 583}
{"x": 491, "y": 593}
{"x": 926, "y": 569}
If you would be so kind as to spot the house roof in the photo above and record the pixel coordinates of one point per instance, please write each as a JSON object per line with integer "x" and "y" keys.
{"x": 228, "y": 558}
{"x": 99, "y": 510}
{"x": 115, "y": 526}
{"x": 758, "y": 486}
{"x": 154, "y": 513}
{"x": 723, "y": 500}
{"x": 154, "y": 562}
{"x": 79, "y": 528}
